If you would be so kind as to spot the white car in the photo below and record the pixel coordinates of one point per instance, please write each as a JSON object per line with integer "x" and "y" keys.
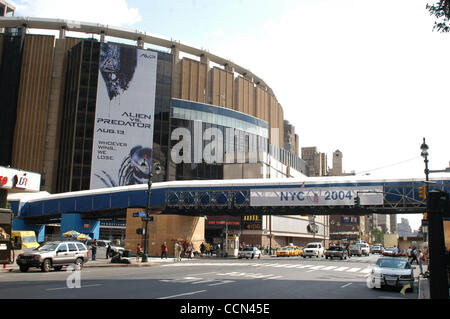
{"x": 391, "y": 271}
{"x": 249, "y": 252}
{"x": 313, "y": 249}
{"x": 365, "y": 249}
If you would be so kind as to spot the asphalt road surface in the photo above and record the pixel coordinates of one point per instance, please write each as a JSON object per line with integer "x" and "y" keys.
{"x": 266, "y": 278}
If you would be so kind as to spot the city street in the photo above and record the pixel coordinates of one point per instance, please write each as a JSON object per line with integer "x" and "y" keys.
{"x": 208, "y": 278}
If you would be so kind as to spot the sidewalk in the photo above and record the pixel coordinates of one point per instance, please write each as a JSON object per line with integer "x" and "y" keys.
{"x": 102, "y": 262}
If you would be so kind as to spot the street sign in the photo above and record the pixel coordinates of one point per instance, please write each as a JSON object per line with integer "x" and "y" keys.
{"x": 149, "y": 219}
{"x": 140, "y": 214}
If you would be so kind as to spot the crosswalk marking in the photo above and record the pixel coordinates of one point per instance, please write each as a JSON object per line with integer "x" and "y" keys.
{"x": 329, "y": 268}
{"x": 354, "y": 269}
{"x": 366, "y": 271}
{"x": 307, "y": 268}
{"x": 316, "y": 267}
{"x": 223, "y": 282}
{"x": 282, "y": 265}
{"x": 275, "y": 277}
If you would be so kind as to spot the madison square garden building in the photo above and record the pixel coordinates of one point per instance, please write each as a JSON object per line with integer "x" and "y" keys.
{"x": 98, "y": 108}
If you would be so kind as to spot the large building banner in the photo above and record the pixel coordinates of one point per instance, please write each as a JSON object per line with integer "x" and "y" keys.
{"x": 123, "y": 131}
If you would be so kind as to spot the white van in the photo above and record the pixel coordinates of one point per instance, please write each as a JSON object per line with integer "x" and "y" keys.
{"x": 365, "y": 249}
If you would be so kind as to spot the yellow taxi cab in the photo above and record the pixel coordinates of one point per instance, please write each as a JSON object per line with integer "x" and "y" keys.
{"x": 283, "y": 252}
{"x": 295, "y": 251}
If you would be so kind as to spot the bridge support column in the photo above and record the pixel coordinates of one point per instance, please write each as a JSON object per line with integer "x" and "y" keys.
{"x": 19, "y": 224}
{"x": 75, "y": 222}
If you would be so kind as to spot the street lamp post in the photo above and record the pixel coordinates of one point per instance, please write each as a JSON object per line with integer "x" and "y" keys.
{"x": 145, "y": 165}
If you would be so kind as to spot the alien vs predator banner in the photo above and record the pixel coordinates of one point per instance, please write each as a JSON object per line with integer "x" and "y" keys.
{"x": 123, "y": 132}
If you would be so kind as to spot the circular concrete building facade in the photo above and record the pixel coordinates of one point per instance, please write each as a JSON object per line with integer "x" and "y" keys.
{"x": 51, "y": 88}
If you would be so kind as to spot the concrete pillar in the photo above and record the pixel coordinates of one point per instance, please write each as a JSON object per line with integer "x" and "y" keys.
{"x": 140, "y": 43}
{"x": 94, "y": 228}
{"x": 62, "y": 33}
{"x": 228, "y": 67}
{"x": 70, "y": 222}
{"x": 176, "y": 71}
{"x": 175, "y": 53}
{"x": 204, "y": 58}
{"x": 84, "y": 226}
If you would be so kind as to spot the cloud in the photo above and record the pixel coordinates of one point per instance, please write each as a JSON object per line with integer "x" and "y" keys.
{"x": 112, "y": 12}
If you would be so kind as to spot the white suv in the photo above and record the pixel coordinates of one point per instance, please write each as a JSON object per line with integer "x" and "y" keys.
{"x": 313, "y": 249}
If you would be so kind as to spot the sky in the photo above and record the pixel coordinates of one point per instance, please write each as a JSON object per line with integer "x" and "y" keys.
{"x": 368, "y": 78}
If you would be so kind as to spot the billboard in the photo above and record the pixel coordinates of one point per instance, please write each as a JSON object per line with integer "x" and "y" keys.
{"x": 123, "y": 131}
{"x": 317, "y": 196}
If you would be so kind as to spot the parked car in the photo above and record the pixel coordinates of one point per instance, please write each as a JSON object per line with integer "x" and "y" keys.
{"x": 377, "y": 249}
{"x": 336, "y": 251}
{"x": 284, "y": 252}
{"x": 54, "y": 255}
{"x": 389, "y": 252}
{"x": 313, "y": 249}
{"x": 102, "y": 246}
{"x": 249, "y": 252}
{"x": 365, "y": 249}
{"x": 391, "y": 271}
{"x": 354, "y": 250}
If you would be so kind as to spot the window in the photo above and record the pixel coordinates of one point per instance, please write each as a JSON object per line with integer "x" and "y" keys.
{"x": 62, "y": 247}
{"x": 80, "y": 246}
{"x": 72, "y": 247}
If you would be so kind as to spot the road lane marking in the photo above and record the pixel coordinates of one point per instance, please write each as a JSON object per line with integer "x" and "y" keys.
{"x": 60, "y": 288}
{"x": 304, "y": 266}
{"x": 185, "y": 294}
{"x": 346, "y": 285}
{"x": 341, "y": 269}
{"x": 354, "y": 269}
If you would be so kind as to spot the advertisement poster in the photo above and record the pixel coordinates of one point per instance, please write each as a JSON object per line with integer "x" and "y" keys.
{"x": 123, "y": 131}
{"x": 324, "y": 196}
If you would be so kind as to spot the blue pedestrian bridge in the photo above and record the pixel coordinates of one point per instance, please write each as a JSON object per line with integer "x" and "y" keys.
{"x": 288, "y": 196}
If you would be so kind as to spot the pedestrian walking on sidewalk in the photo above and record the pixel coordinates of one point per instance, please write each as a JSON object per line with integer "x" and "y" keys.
{"x": 94, "y": 249}
{"x": 420, "y": 260}
{"x": 108, "y": 250}
{"x": 178, "y": 249}
{"x": 138, "y": 252}
{"x": 164, "y": 250}
{"x": 414, "y": 256}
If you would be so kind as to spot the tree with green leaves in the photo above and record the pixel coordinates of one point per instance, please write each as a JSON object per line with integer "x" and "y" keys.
{"x": 377, "y": 235}
{"x": 441, "y": 10}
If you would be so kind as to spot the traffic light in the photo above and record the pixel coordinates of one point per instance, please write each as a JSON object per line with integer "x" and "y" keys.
{"x": 425, "y": 216}
{"x": 422, "y": 192}
{"x": 357, "y": 201}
